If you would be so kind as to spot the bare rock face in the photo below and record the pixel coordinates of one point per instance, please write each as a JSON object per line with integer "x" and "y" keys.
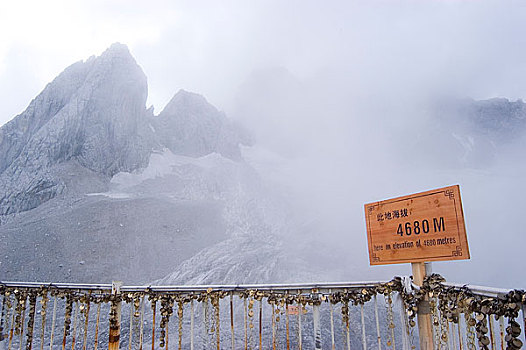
{"x": 191, "y": 126}
{"x": 92, "y": 113}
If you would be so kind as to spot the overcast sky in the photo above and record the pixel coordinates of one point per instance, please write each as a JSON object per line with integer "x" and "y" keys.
{"x": 474, "y": 48}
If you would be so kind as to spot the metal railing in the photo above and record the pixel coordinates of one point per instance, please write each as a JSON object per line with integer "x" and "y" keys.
{"x": 355, "y": 315}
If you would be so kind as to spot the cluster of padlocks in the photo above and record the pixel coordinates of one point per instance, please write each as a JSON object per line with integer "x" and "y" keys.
{"x": 341, "y": 316}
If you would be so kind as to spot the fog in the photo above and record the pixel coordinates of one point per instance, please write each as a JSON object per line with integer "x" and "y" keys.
{"x": 355, "y": 125}
{"x": 337, "y": 95}
{"x": 335, "y": 152}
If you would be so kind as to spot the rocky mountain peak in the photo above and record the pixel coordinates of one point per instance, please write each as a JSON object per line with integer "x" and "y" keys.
{"x": 117, "y": 50}
{"x": 92, "y": 114}
{"x": 188, "y": 101}
{"x": 93, "y": 118}
{"x": 190, "y": 125}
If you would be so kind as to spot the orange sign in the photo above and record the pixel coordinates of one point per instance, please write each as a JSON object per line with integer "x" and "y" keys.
{"x": 427, "y": 226}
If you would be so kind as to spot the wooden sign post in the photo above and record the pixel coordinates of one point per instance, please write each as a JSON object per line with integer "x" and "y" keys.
{"x": 417, "y": 229}
{"x": 423, "y": 317}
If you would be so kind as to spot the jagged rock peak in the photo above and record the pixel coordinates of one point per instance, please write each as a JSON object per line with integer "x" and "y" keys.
{"x": 117, "y": 49}
{"x": 93, "y": 114}
{"x": 184, "y": 100}
{"x": 118, "y": 55}
{"x": 191, "y": 126}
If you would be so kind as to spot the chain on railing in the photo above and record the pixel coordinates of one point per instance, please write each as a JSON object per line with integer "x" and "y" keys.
{"x": 335, "y": 315}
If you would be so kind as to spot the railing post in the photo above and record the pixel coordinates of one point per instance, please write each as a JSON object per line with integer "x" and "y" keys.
{"x": 317, "y": 327}
{"x": 115, "y": 316}
{"x": 425, "y": 327}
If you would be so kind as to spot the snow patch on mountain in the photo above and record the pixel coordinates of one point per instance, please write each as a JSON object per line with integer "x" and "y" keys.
{"x": 161, "y": 164}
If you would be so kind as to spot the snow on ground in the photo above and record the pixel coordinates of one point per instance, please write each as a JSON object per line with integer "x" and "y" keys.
{"x": 160, "y": 165}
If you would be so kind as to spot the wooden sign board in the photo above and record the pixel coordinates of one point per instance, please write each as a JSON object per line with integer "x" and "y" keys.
{"x": 427, "y": 226}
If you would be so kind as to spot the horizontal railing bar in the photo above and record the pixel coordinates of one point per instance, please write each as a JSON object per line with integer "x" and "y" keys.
{"x": 199, "y": 288}
{"x": 261, "y": 287}
{"x": 481, "y": 290}
{"x": 102, "y": 287}
{"x": 321, "y": 287}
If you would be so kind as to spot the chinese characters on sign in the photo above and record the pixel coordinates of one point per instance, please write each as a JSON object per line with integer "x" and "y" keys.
{"x": 395, "y": 214}
{"x": 427, "y": 226}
